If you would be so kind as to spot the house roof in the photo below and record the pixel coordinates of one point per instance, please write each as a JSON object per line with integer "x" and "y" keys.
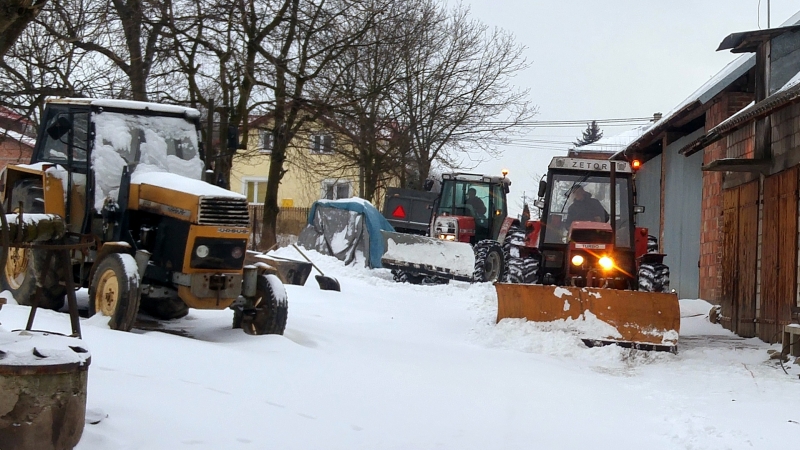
{"x": 696, "y": 103}
{"x": 789, "y": 94}
{"x": 21, "y": 138}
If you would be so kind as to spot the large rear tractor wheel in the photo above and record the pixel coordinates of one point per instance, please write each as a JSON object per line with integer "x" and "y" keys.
{"x": 654, "y": 277}
{"x": 114, "y": 291}
{"x": 271, "y": 308}
{"x": 489, "y": 262}
{"x": 24, "y": 265}
{"x": 518, "y": 268}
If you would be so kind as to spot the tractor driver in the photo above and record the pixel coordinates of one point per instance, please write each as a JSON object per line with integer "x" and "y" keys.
{"x": 584, "y": 207}
{"x": 478, "y": 208}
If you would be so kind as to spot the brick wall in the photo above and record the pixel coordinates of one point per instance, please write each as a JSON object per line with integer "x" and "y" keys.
{"x": 13, "y": 152}
{"x": 711, "y": 213}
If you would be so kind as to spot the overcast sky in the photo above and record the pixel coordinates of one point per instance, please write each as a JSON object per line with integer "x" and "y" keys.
{"x": 612, "y": 59}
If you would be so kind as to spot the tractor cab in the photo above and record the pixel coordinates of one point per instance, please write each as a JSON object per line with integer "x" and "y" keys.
{"x": 477, "y": 203}
{"x": 578, "y": 230}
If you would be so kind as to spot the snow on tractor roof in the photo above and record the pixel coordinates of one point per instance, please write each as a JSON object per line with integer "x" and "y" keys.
{"x": 474, "y": 177}
{"x": 595, "y": 165}
{"x": 127, "y": 104}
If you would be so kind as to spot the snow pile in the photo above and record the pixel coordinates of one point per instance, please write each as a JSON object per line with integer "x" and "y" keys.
{"x": 180, "y": 183}
{"x": 382, "y": 365}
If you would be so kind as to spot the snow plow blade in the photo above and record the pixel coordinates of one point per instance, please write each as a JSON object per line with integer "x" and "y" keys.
{"x": 428, "y": 256}
{"x": 643, "y": 320}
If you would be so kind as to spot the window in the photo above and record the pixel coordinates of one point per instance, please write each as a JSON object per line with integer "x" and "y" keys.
{"x": 255, "y": 189}
{"x": 321, "y": 143}
{"x": 265, "y": 141}
{"x": 333, "y": 190}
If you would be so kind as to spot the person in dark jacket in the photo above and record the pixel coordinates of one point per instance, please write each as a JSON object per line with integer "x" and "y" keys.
{"x": 476, "y": 203}
{"x": 585, "y": 208}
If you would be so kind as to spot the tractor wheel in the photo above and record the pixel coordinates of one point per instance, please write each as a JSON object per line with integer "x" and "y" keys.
{"x": 654, "y": 277}
{"x": 401, "y": 276}
{"x": 114, "y": 291}
{"x": 164, "y": 308}
{"x": 23, "y": 265}
{"x": 489, "y": 262}
{"x": 518, "y": 268}
{"x": 271, "y": 309}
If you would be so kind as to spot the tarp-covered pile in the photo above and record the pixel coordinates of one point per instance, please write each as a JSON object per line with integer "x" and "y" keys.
{"x": 342, "y": 227}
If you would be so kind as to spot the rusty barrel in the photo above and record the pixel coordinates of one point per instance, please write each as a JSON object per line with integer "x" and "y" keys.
{"x": 42, "y": 390}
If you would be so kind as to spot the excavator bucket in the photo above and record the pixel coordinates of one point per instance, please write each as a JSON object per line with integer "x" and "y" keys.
{"x": 428, "y": 256}
{"x": 642, "y": 320}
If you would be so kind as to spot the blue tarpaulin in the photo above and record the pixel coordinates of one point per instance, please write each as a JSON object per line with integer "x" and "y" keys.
{"x": 375, "y": 222}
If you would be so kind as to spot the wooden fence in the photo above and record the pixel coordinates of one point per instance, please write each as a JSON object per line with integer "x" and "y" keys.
{"x": 290, "y": 222}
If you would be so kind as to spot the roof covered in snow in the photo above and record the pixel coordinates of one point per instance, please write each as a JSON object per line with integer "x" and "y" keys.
{"x": 128, "y": 104}
{"x": 21, "y": 138}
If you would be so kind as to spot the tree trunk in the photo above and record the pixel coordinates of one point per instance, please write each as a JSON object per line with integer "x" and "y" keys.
{"x": 15, "y": 15}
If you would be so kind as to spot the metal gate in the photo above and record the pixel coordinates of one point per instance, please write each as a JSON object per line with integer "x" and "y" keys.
{"x": 778, "y": 254}
{"x": 739, "y": 258}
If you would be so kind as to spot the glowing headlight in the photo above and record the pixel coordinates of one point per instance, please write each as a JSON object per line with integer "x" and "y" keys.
{"x": 577, "y": 260}
{"x": 202, "y": 251}
{"x": 606, "y": 263}
{"x": 447, "y": 237}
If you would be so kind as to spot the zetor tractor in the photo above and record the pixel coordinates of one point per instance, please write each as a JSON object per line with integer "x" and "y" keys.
{"x": 127, "y": 176}
{"x": 467, "y": 228}
{"x": 585, "y": 255}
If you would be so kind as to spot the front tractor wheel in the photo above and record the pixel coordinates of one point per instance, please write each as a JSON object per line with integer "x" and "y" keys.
{"x": 271, "y": 308}
{"x": 114, "y": 291}
{"x": 489, "y": 261}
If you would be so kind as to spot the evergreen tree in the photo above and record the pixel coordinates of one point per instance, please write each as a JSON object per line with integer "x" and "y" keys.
{"x": 592, "y": 133}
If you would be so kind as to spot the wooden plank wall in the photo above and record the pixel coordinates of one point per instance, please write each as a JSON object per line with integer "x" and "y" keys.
{"x": 778, "y": 254}
{"x": 730, "y": 233}
{"x": 747, "y": 258}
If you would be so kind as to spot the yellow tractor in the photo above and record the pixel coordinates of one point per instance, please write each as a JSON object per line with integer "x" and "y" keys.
{"x": 128, "y": 176}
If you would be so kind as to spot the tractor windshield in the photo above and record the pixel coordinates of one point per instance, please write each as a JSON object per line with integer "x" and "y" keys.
{"x": 578, "y": 197}
{"x": 143, "y": 143}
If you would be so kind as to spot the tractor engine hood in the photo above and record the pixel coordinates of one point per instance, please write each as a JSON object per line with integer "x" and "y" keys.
{"x": 187, "y": 199}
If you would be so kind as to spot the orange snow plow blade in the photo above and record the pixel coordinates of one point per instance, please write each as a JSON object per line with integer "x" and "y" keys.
{"x": 643, "y": 320}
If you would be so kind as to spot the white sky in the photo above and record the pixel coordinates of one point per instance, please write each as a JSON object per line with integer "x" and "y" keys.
{"x": 612, "y": 59}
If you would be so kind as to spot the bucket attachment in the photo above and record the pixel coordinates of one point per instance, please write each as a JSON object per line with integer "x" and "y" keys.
{"x": 428, "y": 256}
{"x": 642, "y": 320}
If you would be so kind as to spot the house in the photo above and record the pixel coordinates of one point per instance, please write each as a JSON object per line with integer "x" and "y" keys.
{"x": 16, "y": 141}
{"x": 310, "y": 161}
{"x": 719, "y": 178}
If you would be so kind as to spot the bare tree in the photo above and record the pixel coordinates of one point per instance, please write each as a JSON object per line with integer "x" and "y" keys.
{"x": 312, "y": 35}
{"x": 457, "y": 98}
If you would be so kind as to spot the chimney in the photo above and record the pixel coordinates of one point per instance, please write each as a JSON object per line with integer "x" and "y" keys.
{"x": 657, "y": 117}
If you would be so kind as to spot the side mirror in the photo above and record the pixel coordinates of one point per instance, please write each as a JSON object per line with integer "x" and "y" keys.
{"x": 542, "y": 188}
{"x": 428, "y": 185}
{"x": 59, "y": 128}
{"x": 638, "y": 209}
{"x": 539, "y": 203}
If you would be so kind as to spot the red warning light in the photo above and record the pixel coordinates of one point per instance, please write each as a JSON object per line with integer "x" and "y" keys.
{"x": 399, "y": 212}
{"x": 636, "y": 164}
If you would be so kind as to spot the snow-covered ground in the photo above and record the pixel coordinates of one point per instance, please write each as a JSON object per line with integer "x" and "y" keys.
{"x": 388, "y": 366}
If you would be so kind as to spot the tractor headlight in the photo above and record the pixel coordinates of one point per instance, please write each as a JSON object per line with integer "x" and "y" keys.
{"x": 606, "y": 263}
{"x": 236, "y": 253}
{"x": 577, "y": 260}
{"x": 447, "y": 237}
{"x": 202, "y": 251}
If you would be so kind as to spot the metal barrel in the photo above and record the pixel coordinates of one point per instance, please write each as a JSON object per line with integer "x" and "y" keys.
{"x": 640, "y": 318}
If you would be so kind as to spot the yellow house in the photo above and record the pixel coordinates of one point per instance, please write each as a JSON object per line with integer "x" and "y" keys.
{"x": 314, "y": 171}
